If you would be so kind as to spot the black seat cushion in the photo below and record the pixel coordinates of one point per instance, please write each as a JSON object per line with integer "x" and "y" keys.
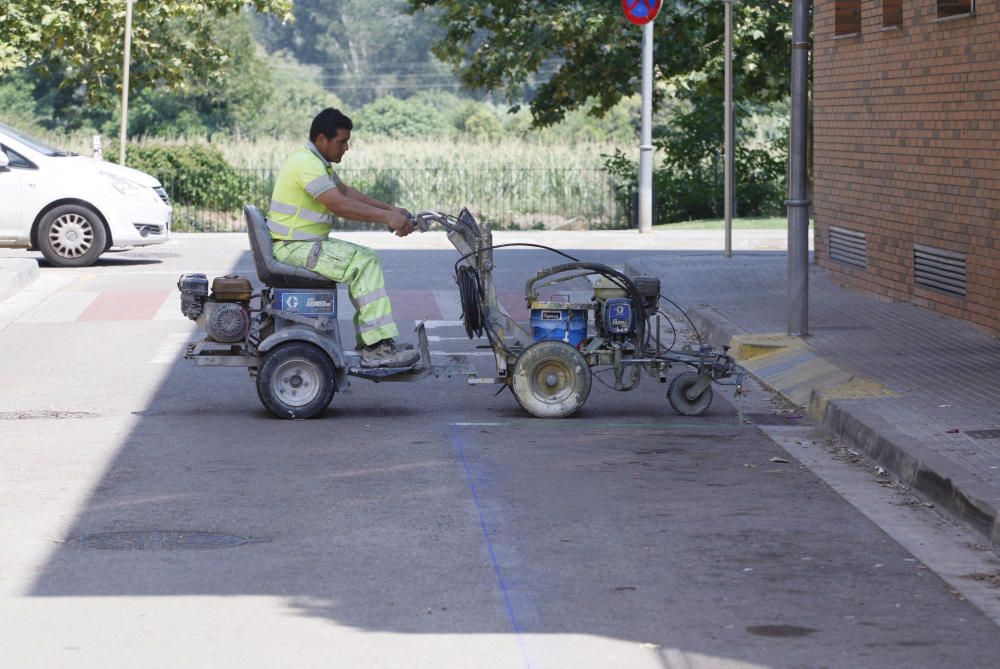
{"x": 273, "y": 272}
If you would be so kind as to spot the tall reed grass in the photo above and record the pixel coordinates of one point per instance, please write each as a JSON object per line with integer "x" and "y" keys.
{"x": 513, "y": 182}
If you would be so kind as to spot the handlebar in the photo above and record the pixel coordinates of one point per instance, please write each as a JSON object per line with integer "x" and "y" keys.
{"x": 422, "y": 221}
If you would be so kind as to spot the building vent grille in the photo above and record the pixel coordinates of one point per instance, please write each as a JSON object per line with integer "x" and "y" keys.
{"x": 940, "y": 269}
{"x": 848, "y": 246}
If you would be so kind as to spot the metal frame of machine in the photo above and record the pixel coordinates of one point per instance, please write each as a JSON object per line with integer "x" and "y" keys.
{"x": 288, "y": 337}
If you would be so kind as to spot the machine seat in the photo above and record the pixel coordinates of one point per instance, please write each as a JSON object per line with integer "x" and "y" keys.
{"x": 272, "y": 272}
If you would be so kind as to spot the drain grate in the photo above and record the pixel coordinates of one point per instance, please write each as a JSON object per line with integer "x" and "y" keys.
{"x": 984, "y": 434}
{"x": 160, "y": 540}
{"x": 781, "y": 631}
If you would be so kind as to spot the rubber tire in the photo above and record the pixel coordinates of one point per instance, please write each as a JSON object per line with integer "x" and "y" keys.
{"x": 77, "y": 216}
{"x": 677, "y": 395}
{"x": 286, "y": 359}
{"x": 559, "y": 358}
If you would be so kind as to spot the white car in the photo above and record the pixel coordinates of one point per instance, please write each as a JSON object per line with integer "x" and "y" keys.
{"x": 73, "y": 208}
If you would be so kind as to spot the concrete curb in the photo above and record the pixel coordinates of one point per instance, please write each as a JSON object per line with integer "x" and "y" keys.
{"x": 806, "y": 379}
{"x": 16, "y": 275}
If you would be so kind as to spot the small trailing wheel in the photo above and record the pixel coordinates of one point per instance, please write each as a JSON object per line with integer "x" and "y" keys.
{"x": 686, "y": 397}
{"x": 297, "y": 380}
{"x": 71, "y": 236}
{"x": 551, "y": 379}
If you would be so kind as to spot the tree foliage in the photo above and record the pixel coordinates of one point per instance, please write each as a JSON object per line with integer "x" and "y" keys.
{"x": 79, "y": 43}
{"x": 500, "y": 45}
{"x": 366, "y": 49}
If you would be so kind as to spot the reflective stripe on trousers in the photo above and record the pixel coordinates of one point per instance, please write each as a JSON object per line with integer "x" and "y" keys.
{"x": 357, "y": 266}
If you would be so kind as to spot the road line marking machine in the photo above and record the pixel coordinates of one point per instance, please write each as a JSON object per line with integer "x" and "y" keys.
{"x": 288, "y": 336}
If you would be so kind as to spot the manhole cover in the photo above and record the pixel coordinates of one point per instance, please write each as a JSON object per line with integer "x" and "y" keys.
{"x": 160, "y": 540}
{"x": 45, "y": 414}
{"x": 984, "y": 434}
{"x": 773, "y": 418}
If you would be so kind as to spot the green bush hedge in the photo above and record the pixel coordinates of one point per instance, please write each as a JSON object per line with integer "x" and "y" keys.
{"x": 195, "y": 175}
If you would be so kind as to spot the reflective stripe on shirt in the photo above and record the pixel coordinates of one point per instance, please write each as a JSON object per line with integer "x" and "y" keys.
{"x": 296, "y": 235}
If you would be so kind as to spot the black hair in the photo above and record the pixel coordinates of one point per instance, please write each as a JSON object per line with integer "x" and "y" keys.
{"x": 327, "y": 123}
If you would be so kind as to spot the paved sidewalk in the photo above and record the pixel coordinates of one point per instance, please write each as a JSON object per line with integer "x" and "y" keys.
{"x": 16, "y": 274}
{"x": 916, "y": 391}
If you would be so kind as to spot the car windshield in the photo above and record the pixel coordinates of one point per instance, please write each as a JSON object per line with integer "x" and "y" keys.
{"x": 33, "y": 143}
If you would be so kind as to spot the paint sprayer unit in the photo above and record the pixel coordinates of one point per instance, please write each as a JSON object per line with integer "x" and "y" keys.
{"x": 288, "y": 336}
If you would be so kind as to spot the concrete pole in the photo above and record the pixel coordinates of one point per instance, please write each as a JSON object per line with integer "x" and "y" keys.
{"x": 646, "y": 140}
{"x": 122, "y": 135}
{"x": 797, "y": 202}
{"x": 729, "y": 131}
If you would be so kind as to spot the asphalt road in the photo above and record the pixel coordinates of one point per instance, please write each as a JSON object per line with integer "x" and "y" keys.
{"x": 413, "y": 525}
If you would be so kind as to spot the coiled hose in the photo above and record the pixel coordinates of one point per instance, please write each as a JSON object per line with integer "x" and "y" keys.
{"x": 470, "y": 291}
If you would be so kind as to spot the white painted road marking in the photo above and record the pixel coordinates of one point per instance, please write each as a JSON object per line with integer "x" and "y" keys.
{"x": 61, "y": 307}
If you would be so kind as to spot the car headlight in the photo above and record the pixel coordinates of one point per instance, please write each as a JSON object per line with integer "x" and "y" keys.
{"x": 131, "y": 189}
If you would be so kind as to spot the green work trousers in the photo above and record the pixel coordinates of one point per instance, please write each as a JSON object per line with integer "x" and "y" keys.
{"x": 357, "y": 266}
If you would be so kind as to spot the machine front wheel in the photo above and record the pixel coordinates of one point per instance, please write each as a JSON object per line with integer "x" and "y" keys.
{"x": 679, "y": 395}
{"x": 551, "y": 379}
{"x": 297, "y": 380}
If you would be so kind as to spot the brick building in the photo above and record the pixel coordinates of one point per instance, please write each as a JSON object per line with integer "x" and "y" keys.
{"x": 906, "y": 150}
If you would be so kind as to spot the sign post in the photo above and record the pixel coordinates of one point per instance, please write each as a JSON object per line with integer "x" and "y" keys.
{"x": 123, "y": 133}
{"x": 642, "y": 13}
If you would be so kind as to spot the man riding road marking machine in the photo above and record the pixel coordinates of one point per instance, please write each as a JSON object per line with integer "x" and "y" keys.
{"x": 287, "y": 335}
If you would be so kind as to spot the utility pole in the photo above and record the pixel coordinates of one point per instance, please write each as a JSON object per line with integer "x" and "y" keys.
{"x": 797, "y": 202}
{"x": 122, "y": 135}
{"x": 729, "y": 131}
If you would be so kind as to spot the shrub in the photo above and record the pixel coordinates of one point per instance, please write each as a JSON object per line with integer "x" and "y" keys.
{"x": 476, "y": 121}
{"x": 392, "y": 117}
{"x": 194, "y": 175}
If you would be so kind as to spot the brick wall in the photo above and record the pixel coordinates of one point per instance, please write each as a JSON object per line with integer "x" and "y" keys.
{"x": 906, "y": 133}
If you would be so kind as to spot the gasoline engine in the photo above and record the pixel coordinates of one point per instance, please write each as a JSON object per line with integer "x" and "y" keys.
{"x": 223, "y": 314}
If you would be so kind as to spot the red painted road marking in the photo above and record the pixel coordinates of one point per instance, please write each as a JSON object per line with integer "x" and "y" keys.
{"x": 120, "y": 305}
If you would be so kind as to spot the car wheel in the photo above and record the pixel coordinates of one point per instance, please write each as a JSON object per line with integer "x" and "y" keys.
{"x": 71, "y": 236}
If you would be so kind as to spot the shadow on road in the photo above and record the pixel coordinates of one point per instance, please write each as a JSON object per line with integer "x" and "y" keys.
{"x": 440, "y": 508}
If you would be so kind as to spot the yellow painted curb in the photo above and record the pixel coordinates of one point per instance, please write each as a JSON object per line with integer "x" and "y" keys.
{"x": 789, "y": 366}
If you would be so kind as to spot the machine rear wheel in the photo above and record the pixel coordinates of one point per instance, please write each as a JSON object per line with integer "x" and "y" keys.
{"x": 551, "y": 379}
{"x": 297, "y": 380}
{"x": 678, "y": 394}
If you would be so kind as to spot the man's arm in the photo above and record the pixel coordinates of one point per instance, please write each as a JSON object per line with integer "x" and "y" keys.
{"x": 351, "y": 203}
{"x": 367, "y": 199}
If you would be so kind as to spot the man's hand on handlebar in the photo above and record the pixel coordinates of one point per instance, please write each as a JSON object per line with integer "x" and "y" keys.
{"x": 399, "y": 222}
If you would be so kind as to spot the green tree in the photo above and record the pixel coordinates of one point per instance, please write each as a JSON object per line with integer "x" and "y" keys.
{"x": 589, "y": 52}
{"x": 366, "y": 49}
{"x": 589, "y": 56}
{"x": 79, "y": 42}
{"x": 236, "y": 100}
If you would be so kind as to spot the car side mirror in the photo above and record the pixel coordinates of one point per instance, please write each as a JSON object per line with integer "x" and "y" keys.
{"x": 4, "y": 161}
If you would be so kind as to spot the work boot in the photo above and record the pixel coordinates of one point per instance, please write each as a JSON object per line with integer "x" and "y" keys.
{"x": 387, "y": 353}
